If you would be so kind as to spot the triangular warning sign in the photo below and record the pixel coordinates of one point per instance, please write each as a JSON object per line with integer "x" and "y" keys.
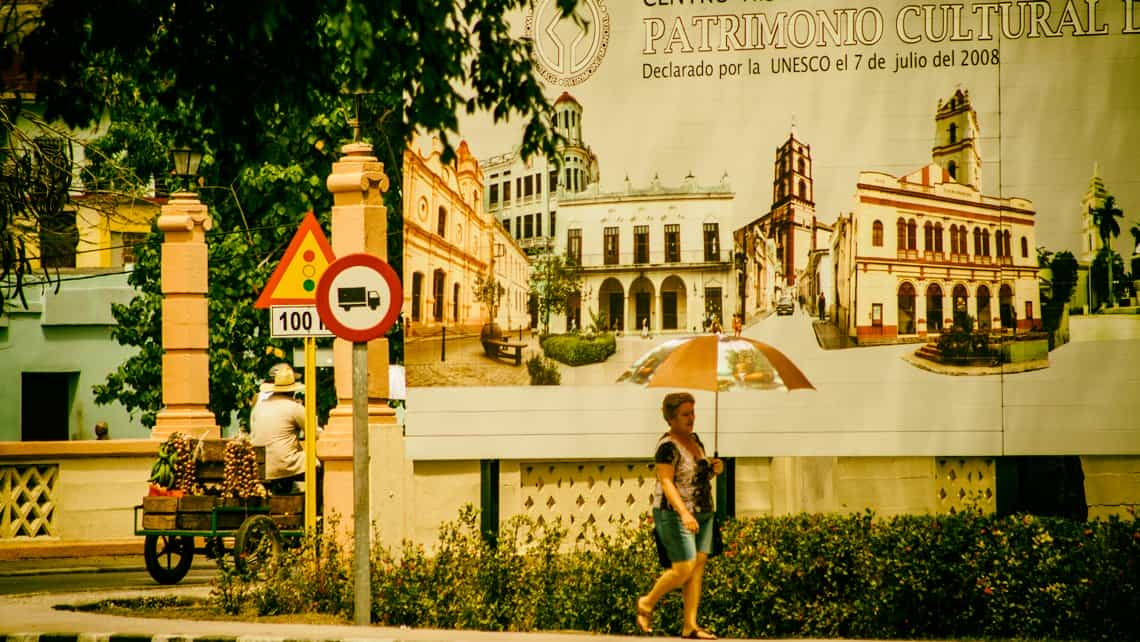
{"x": 294, "y": 282}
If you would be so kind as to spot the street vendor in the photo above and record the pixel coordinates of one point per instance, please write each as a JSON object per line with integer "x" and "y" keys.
{"x": 278, "y": 423}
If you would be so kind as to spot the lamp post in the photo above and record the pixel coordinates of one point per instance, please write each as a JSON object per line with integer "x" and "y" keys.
{"x": 186, "y": 163}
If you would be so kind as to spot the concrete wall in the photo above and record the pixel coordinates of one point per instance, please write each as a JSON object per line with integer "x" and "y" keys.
{"x": 88, "y": 494}
{"x": 97, "y": 484}
{"x": 604, "y": 492}
{"x": 1112, "y": 486}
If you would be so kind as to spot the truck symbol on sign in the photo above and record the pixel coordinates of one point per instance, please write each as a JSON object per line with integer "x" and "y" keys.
{"x": 349, "y": 298}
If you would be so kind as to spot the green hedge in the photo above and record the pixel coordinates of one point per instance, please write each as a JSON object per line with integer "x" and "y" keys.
{"x": 922, "y": 576}
{"x": 800, "y": 576}
{"x": 577, "y": 350}
{"x": 543, "y": 371}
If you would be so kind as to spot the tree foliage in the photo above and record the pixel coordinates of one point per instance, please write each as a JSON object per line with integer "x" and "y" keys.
{"x": 489, "y": 292}
{"x": 267, "y": 90}
{"x": 1104, "y": 218}
{"x": 1107, "y": 285}
{"x": 1064, "y": 266}
{"x": 553, "y": 279}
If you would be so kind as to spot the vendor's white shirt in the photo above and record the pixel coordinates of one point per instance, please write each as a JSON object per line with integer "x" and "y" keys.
{"x": 278, "y": 423}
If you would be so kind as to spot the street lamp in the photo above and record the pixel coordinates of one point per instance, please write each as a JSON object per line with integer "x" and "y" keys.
{"x": 186, "y": 162}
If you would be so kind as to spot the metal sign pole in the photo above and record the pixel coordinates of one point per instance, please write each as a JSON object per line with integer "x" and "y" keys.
{"x": 362, "y": 613}
{"x": 310, "y": 433}
{"x": 359, "y": 321}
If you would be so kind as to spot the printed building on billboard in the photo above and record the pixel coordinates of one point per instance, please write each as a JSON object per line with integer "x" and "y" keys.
{"x": 655, "y": 258}
{"x": 523, "y": 194}
{"x": 450, "y": 242}
{"x": 1084, "y": 296}
{"x": 797, "y": 263}
{"x": 922, "y": 252}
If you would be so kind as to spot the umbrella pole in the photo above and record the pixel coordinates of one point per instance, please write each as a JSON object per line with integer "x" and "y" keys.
{"x": 716, "y": 422}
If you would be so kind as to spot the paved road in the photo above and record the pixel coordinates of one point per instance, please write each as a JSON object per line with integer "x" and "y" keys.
{"x": 31, "y": 618}
{"x": 87, "y": 580}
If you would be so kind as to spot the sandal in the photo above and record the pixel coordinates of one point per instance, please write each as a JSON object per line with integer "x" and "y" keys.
{"x": 644, "y": 618}
{"x": 699, "y": 634}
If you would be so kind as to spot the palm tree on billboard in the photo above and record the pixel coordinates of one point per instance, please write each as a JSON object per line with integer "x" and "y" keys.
{"x": 1135, "y": 264}
{"x": 1104, "y": 217}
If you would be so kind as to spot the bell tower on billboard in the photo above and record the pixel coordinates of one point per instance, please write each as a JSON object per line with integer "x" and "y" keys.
{"x": 956, "y": 139}
{"x": 792, "y": 217}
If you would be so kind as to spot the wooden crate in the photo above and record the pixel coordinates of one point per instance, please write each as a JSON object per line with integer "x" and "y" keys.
{"x": 286, "y": 504}
{"x": 160, "y": 504}
{"x": 215, "y": 450}
{"x": 202, "y": 521}
{"x": 196, "y": 503}
{"x": 159, "y": 521}
{"x": 210, "y": 465}
{"x": 242, "y": 502}
{"x": 191, "y": 513}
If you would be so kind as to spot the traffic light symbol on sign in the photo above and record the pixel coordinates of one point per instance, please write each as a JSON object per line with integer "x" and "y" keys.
{"x": 308, "y": 271}
{"x": 294, "y": 282}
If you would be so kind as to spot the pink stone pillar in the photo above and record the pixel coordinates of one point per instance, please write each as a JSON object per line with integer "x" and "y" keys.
{"x": 185, "y": 328}
{"x": 359, "y": 225}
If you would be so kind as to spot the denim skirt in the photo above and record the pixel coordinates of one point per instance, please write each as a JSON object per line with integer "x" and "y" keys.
{"x": 682, "y": 543}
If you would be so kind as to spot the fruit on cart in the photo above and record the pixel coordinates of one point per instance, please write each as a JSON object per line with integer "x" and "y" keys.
{"x": 181, "y": 455}
{"x": 240, "y": 472}
{"x": 161, "y": 491}
{"x": 162, "y": 472}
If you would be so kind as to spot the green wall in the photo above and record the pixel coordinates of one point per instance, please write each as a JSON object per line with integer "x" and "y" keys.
{"x": 67, "y": 332}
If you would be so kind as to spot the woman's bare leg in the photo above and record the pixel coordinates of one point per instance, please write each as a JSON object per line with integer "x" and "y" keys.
{"x": 692, "y": 593}
{"x": 671, "y": 579}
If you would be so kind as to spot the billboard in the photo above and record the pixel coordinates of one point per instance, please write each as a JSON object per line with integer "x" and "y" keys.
{"x": 879, "y": 191}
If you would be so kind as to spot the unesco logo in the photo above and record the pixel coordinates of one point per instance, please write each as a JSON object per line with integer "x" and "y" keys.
{"x": 568, "y": 50}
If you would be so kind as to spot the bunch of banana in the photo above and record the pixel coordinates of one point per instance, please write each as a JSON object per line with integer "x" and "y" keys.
{"x": 162, "y": 472}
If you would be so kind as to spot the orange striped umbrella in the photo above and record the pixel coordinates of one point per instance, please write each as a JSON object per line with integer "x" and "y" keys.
{"x": 718, "y": 364}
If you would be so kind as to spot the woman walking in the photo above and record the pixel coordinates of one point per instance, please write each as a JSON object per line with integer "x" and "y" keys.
{"x": 682, "y": 514}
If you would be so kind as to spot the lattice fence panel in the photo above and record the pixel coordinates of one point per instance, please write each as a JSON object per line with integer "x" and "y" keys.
{"x": 966, "y": 483}
{"x": 587, "y": 493}
{"x": 27, "y": 501}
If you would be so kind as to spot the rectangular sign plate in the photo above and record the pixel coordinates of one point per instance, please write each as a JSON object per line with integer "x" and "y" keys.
{"x": 296, "y": 321}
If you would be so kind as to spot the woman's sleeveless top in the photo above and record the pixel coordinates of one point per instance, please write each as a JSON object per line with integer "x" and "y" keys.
{"x": 692, "y": 476}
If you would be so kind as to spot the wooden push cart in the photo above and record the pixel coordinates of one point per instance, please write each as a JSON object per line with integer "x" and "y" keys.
{"x": 252, "y": 529}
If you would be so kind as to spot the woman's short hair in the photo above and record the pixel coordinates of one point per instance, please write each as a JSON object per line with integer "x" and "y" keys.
{"x": 673, "y": 401}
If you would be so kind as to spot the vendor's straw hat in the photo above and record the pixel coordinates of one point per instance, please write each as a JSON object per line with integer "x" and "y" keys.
{"x": 283, "y": 381}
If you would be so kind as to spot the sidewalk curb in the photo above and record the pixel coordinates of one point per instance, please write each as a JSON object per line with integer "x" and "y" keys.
{"x": 62, "y": 570}
{"x": 167, "y": 637}
{"x": 79, "y": 548}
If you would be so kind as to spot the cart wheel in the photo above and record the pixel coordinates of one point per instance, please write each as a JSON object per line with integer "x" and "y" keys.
{"x": 168, "y": 557}
{"x": 257, "y": 545}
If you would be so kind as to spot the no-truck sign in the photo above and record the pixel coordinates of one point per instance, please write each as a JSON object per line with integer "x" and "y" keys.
{"x": 359, "y": 297}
